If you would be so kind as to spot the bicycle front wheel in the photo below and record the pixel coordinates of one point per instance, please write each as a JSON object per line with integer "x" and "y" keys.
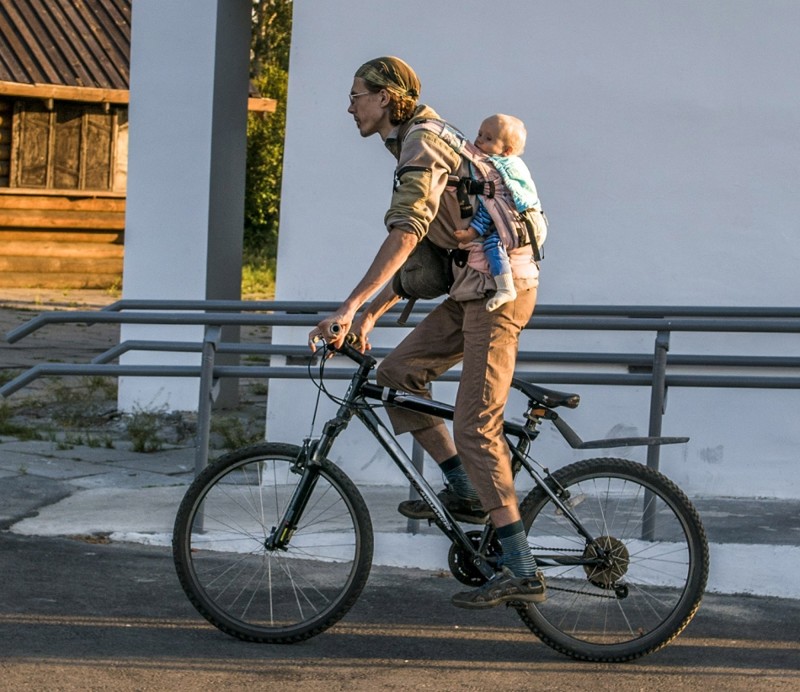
{"x": 232, "y": 577}
{"x": 654, "y": 569}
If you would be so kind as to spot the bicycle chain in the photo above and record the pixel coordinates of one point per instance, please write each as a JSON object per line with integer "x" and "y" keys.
{"x": 580, "y": 593}
{"x": 565, "y": 590}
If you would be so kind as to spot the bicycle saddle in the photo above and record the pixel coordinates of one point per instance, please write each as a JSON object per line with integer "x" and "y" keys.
{"x": 549, "y": 398}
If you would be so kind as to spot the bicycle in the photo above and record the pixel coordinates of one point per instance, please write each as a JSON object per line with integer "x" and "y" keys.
{"x": 273, "y": 542}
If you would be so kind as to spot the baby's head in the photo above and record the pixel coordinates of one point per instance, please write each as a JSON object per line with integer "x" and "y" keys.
{"x": 501, "y": 135}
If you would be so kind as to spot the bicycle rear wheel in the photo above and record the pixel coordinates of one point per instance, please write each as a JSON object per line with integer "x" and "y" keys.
{"x": 652, "y": 581}
{"x": 262, "y": 595}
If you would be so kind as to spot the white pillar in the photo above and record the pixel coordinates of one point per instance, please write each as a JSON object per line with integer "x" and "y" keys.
{"x": 185, "y": 208}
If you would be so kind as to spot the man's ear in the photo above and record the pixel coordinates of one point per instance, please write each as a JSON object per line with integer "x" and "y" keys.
{"x": 385, "y": 98}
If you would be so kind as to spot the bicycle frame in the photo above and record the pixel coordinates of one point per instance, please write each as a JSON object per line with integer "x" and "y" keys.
{"x": 355, "y": 403}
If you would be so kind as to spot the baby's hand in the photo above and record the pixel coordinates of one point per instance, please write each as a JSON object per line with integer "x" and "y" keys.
{"x": 466, "y": 236}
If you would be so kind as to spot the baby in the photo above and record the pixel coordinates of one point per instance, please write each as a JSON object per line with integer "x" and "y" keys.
{"x": 502, "y": 137}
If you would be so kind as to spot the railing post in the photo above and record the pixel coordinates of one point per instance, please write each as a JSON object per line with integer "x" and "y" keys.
{"x": 658, "y": 402}
{"x": 207, "y": 396}
{"x": 658, "y": 396}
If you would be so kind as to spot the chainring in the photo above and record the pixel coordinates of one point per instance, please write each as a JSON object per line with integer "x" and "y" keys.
{"x": 460, "y": 562}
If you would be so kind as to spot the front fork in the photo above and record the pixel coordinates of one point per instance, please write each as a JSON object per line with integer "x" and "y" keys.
{"x": 281, "y": 534}
{"x": 307, "y": 464}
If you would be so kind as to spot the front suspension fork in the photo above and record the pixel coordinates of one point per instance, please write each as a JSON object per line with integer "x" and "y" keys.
{"x": 308, "y": 468}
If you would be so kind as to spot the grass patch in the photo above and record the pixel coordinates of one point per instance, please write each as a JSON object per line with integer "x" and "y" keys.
{"x": 258, "y": 277}
{"x": 235, "y": 433}
{"x": 81, "y": 403}
{"x": 72, "y": 440}
{"x": 13, "y": 429}
{"x": 144, "y": 430}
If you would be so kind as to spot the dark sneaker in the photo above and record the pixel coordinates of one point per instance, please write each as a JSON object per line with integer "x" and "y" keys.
{"x": 503, "y": 587}
{"x": 468, "y": 511}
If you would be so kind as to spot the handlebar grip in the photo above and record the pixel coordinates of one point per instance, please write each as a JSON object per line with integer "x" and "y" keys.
{"x": 336, "y": 329}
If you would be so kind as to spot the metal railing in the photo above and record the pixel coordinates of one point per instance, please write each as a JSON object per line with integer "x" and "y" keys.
{"x": 643, "y": 369}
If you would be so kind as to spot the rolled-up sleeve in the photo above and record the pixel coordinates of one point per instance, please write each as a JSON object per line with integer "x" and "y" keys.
{"x": 423, "y": 167}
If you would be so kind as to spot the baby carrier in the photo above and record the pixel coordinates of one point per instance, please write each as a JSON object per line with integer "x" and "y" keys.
{"x": 516, "y": 227}
{"x": 427, "y": 273}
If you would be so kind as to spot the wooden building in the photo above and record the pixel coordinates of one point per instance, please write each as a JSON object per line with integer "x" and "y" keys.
{"x": 63, "y": 141}
{"x": 64, "y": 77}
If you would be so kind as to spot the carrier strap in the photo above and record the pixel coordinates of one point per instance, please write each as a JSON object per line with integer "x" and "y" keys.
{"x": 466, "y": 187}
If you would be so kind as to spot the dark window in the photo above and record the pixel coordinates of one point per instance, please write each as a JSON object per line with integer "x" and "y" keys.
{"x": 66, "y": 146}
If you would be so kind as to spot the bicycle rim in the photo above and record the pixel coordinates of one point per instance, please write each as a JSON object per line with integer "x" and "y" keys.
{"x": 256, "y": 594}
{"x": 650, "y": 585}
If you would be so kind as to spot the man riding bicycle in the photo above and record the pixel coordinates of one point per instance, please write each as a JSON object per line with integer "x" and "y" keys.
{"x": 475, "y": 460}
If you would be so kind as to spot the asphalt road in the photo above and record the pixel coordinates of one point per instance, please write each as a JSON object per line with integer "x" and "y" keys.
{"x": 81, "y": 615}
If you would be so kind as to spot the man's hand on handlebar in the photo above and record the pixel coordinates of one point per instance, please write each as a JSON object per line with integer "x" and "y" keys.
{"x": 332, "y": 330}
{"x": 339, "y": 328}
{"x": 359, "y": 330}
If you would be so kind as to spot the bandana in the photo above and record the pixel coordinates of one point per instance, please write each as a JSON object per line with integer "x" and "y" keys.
{"x": 392, "y": 74}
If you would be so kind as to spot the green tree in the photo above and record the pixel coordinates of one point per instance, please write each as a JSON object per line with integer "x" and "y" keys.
{"x": 272, "y": 34}
{"x": 269, "y": 50}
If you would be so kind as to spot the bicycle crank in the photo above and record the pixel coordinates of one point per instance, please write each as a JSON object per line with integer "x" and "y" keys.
{"x": 460, "y": 561}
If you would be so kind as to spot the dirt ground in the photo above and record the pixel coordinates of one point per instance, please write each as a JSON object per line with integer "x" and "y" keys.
{"x": 81, "y": 403}
{"x": 63, "y": 342}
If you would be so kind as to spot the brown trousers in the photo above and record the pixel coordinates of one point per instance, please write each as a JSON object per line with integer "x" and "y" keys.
{"x": 487, "y": 343}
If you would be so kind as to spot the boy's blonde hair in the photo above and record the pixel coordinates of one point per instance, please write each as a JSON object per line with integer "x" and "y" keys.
{"x": 512, "y": 131}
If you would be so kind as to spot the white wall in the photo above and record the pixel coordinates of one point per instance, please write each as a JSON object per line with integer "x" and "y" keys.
{"x": 185, "y": 208}
{"x": 663, "y": 140}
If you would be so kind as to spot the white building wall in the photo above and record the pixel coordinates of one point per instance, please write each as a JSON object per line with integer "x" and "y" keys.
{"x": 185, "y": 208}
{"x": 663, "y": 139}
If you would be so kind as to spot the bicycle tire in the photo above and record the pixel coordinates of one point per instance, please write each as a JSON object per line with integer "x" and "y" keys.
{"x": 652, "y": 587}
{"x": 261, "y": 595}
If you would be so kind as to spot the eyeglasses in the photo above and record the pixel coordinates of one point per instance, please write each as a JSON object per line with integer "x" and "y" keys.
{"x": 353, "y": 97}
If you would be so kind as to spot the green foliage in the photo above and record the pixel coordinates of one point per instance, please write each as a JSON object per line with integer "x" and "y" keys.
{"x": 271, "y": 34}
{"x": 144, "y": 430}
{"x": 235, "y": 433}
{"x": 79, "y": 403}
{"x": 13, "y": 429}
{"x": 272, "y": 25}
{"x": 265, "y": 135}
{"x": 258, "y": 278}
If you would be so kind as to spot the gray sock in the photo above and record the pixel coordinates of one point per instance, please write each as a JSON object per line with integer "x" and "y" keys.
{"x": 517, "y": 554}
{"x": 457, "y": 478}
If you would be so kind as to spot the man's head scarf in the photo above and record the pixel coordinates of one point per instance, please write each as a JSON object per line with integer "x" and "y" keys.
{"x": 392, "y": 74}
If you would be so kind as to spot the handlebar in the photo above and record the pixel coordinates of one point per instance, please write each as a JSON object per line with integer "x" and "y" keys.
{"x": 356, "y": 355}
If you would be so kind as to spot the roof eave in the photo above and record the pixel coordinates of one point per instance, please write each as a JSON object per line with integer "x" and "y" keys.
{"x": 95, "y": 95}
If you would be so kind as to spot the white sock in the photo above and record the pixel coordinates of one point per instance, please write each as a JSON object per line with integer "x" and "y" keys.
{"x": 505, "y": 292}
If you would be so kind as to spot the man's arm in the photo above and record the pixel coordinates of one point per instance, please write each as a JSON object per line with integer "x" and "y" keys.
{"x": 365, "y": 322}
{"x": 394, "y": 251}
